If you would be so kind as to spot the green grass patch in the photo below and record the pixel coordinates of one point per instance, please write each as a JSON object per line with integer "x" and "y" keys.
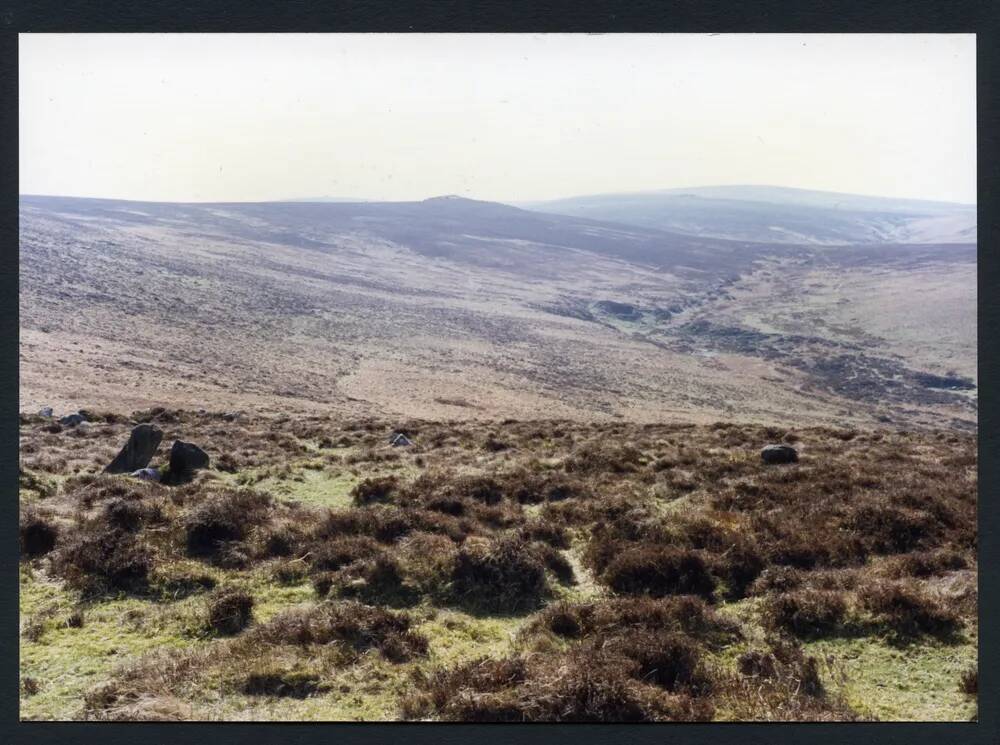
{"x": 919, "y": 682}
{"x": 457, "y": 637}
{"x": 66, "y": 661}
{"x": 312, "y": 487}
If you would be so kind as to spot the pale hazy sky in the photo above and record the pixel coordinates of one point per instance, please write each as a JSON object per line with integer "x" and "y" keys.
{"x": 193, "y": 117}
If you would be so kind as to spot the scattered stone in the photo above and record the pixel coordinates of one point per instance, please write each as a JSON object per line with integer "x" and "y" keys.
{"x": 138, "y": 451}
{"x": 185, "y": 459}
{"x": 46, "y": 411}
{"x": 146, "y": 474}
{"x": 72, "y": 420}
{"x": 779, "y": 454}
{"x": 398, "y": 439}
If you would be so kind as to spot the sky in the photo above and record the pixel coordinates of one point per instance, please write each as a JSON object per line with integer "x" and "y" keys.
{"x": 505, "y": 117}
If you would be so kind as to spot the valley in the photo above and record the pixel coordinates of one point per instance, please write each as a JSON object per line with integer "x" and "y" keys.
{"x": 451, "y": 308}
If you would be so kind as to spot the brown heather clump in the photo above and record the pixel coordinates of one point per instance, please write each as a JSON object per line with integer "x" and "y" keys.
{"x": 562, "y": 619}
{"x": 97, "y": 559}
{"x": 89, "y": 490}
{"x": 925, "y": 564}
{"x": 685, "y": 615}
{"x": 483, "y": 489}
{"x": 555, "y": 562}
{"x": 335, "y": 524}
{"x": 871, "y": 536}
{"x": 281, "y": 541}
{"x": 908, "y": 611}
{"x": 527, "y": 487}
{"x": 223, "y": 517}
{"x": 539, "y": 530}
{"x": 125, "y": 515}
{"x": 669, "y": 659}
{"x": 658, "y": 571}
{"x": 777, "y": 579}
{"x": 373, "y": 581}
{"x": 600, "y": 458}
{"x": 339, "y": 552}
{"x": 885, "y": 529}
{"x": 785, "y": 663}
{"x": 375, "y": 490}
{"x": 36, "y": 533}
{"x": 780, "y": 683}
{"x": 969, "y": 682}
{"x": 805, "y": 613}
{"x": 504, "y": 574}
{"x": 592, "y": 686}
{"x": 281, "y": 683}
{"x": 229, "y": 611}
{"x": 360, "y": 627}
{"x": 737, "y": 567}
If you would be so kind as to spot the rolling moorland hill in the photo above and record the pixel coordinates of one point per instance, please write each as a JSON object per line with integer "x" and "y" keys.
{"x": 456, "y": 309}
{"x": 772, "y": 214}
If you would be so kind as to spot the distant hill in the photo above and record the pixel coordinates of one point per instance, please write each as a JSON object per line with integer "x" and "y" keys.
{"x": 771, "y": 214}
{"x": 465, "y": 230}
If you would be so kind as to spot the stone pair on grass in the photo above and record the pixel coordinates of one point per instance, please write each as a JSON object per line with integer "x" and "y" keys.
{"x": 134, "y": 457}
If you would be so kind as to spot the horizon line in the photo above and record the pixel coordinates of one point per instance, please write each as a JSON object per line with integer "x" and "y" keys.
{"x": 514, "y": 203}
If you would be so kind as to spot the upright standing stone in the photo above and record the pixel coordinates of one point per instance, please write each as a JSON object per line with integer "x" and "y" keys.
{"x": 185, "y": 459}
{"x": 138, "y": 451}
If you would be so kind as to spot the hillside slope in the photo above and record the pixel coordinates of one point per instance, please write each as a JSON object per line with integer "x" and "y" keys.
{"x": 450, "y": 308}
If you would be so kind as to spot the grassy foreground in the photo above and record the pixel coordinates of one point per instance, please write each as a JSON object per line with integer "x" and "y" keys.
{"x": 521, "y": 571}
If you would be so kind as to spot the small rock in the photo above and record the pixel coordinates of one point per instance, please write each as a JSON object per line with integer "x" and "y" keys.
{"x": 138, "y": 451}
{"x": 186, "y": 458}
{"x": 71, "y": 420}
{"x": 46, "y": 411}
{"x": 779, "y": 454}
{"x": 146, "y": 474}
